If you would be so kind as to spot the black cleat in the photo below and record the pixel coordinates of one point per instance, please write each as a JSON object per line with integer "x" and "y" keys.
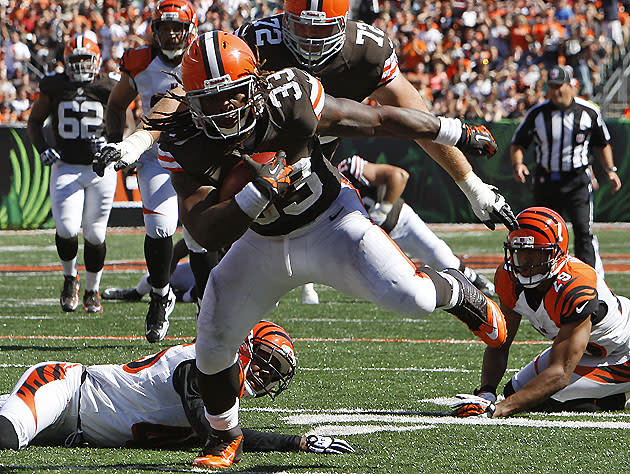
{"x": 92, "y": 302}
{"x": 69, "y": 298}
{"x": 124, "y": 294}
{"x": 160, "y": 308}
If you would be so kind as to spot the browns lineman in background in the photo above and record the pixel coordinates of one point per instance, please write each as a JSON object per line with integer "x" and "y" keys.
{"x": 381, "y": 187}
{"x": 297, "y": 220}
{"x": 76, "y": 102}
{"x": 352, "y": 60}
{"x": 148, "y": 403}
{"x": 587, "y": 367}
{"x": 144, "y": 71}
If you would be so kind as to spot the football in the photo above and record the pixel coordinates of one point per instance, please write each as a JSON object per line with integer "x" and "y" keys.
{"x": 240, "y": 175}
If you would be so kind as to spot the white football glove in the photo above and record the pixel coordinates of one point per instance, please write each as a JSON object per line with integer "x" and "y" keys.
{"x": 327, "y": 445}
{"x": 488, "y": 205}
{"x": 379, "y": 212}
{"x": 49, "y": 156}
{"x": 474, "y": 405}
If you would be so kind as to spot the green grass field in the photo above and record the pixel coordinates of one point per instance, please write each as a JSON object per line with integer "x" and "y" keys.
{"x": 376, "y": 379}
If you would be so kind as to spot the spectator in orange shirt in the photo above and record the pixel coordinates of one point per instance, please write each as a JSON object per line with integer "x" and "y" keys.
{"x": 520, "y": 34}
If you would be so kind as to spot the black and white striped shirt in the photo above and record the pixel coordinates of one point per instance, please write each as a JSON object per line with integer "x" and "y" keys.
{"x": 562, "y": 137}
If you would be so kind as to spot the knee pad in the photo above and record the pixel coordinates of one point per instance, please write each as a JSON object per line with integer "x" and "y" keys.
{"x": 8, "y": 435}
{"x": 67, "y": 247}
{"x": 94, "y": 256}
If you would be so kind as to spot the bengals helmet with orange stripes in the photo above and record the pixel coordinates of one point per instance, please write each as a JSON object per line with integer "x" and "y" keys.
{"x": 314, "y": 30}
{"x": 269, "y": 358}
{"x": 219, "y": 76}
{"x": 82, "y": 58}
{"x": 537, "y": 250}
{"x": 173, "y": 26}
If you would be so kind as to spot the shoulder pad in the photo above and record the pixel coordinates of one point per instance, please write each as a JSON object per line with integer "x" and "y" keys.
{"x": 136, "y": 60}
{"x": 505, "y": 287}
{"x": 573, "y": 295}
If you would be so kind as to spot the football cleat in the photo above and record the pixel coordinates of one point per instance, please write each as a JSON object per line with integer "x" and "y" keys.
{"x": 92, "y": 302}
{"x": 482, "y": 315}
{"x": 70, "y": 294}
{"x": 309, "y": 295}
{"x": 160, "y": 308}
{"x": 124, "y": 294}
{"x": 222, "y": 449}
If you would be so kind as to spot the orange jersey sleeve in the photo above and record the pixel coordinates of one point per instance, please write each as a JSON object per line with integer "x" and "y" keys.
{"x": 136, "y": 60}
{"x": 573, "y": 295}
{"x": 505, "y": 287}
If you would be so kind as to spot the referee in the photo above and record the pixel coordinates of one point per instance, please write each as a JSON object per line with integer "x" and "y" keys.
{"x": 565, "y": 129}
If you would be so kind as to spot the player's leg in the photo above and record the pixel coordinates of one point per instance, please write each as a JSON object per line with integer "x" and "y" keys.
{"x": 201, "y": 262}
{"x": 415, "y": 238}
{"x": 159, "y": 207}
{"x": 357, "y": 257}
{"x": 591, "y": 386}
{"x": 66, "y": 196}
{"x": 241, "y": 290}
{"x": 99, "y": 197}
{"x": 579, "y": 206}
{"x": 44, "y": 396}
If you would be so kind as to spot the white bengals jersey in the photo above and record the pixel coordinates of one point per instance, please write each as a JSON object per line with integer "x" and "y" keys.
{"x": 134, "y": 401}
{"x": 150, "y": 74}
{"x": 576, "y": 293}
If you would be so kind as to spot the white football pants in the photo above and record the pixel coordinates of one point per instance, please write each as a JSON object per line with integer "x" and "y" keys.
{"x": 416, "y": 239}
{"x": 341, "y": 248}
{"x": 80, "y": 198}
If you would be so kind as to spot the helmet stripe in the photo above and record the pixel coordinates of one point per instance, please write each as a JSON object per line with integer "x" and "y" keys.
{"x": 316, "y": 5}
{"x": 209, "y": 46}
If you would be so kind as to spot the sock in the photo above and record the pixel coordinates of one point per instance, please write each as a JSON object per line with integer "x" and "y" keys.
{"x": 93, "y": 280}
{"x": 69, "y": 267}
{"x": 143, "y": 286}
{"x": 158, "y": 254}
{"x": 226, "y": 420}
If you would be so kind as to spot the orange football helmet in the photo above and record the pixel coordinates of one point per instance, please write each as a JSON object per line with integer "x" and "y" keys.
{"x": 314, "y": 30}
{"x": 173, "y": 42}
{"x": 219, "y": 76}
{"x": 269, "y": 360}
{"x": 543, "y": 230}
{"x": 82, "y": 58}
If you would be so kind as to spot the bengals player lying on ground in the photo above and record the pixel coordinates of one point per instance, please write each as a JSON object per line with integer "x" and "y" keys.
{"x": 587, "y": 367}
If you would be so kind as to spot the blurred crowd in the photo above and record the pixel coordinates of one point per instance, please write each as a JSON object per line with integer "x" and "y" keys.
{"x": 483, "y": 59}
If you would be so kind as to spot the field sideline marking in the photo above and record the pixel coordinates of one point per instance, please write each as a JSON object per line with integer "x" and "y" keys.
{"x": 296, "y": 339}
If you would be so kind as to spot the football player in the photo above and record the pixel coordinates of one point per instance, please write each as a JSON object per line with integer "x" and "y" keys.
{"x": 150, "y": 403}
{"x": 76, "y": 102}
{"x": 143, "y": 71}
{"x": 381, "y": 187}
{"x": 297, "y": 221}
{"x": 352, "y": 60}
{"x": 587, "y": 366}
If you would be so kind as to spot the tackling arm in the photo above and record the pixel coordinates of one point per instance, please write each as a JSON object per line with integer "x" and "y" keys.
{"x": 401, "y": 93}
{"x": 121, "y": 96}
{"x": 566, "y": 351}
{"x": 392, "y": 177}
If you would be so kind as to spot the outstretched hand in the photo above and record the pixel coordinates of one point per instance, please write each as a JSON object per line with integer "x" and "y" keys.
{"x": 476, "y": 140}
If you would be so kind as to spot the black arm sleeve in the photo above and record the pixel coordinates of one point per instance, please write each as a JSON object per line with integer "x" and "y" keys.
{"x": 185, "y": 384}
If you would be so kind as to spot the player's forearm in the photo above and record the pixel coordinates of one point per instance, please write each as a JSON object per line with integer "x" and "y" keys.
{"x": 395, "y": 185}
{"x": 260, "y": 441}
{"x": 539, "y": 389}
{"x": 494, "y": 366}
{"x": 451, "y": 159}
{"x": 115, "y": 120}
{"x": 36, "y": 135}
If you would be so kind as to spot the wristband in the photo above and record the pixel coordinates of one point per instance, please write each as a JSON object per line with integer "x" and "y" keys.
{"x": 472, "y": 186}
{"x": 135, "y": 144}
{"x": 251, "y": 201}
{"x": 384, "y": 207}
{"x": 450, "y": 131}
{"x": 612, "y": 169}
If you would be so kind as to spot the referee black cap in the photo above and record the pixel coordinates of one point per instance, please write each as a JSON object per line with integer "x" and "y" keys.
{"x": 559, "y": 75}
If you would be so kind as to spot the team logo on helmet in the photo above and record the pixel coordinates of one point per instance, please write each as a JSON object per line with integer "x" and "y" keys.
{"x": 174, "y": 25}
{"x": 82, "y": 58}
{"x": 269, "y": 358}
{"x": 219, "y": 76}
{"x": 538, "y": 249}
{"x": 314, "y": 30}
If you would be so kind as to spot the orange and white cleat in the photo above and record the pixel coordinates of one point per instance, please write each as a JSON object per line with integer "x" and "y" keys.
{"x": 480, "y": 313}
{"x": 222, "y": 449}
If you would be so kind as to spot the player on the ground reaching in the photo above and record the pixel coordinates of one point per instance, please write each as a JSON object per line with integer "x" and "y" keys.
{"x": 152, "y": 402}
{"x": 588, "y": 365}
{"x": 297, "y": 221}
{"x": 76, "y": 101}
{"x": 174, "y": 25}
